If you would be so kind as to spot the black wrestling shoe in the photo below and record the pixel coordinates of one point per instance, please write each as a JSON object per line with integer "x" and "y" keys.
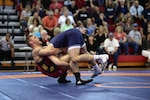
{"x": 83, "y": 82}
{"x": 63, "y": 81}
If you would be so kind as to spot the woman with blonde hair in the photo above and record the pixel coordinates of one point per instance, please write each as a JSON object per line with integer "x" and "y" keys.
{"x": 100, "y": 37}
{"x": 121, "y": 36}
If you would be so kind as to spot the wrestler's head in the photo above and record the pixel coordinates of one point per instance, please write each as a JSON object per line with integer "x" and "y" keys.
{"x": 33, "y": 41}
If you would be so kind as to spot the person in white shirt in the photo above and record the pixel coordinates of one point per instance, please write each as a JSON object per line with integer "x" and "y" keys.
{"x": 111, "y": 45}
{"x": 7, "y": 48}
{"x": 62, "y": 18}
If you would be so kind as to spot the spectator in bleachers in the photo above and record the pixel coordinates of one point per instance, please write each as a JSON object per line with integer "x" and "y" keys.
{"x": 56, "y": 13}
{"x": 46, "y": 4}
{"x": 82, "y": 29}
{"x": 24, "y": 3}
{"x": 73, "y": 8}
{"x": 66, "y": 26}
{"x": 57, "y": 31}
{"x": 91, "y": 45}
{"x": 49, "y": 22}
{"x": 64, "y": 9}
{"x": 25, "y": 14}
{"x": 67, "y": 2}
{"x": 63, "y": 18}
{"x": 111, "y": 45}
{"x": 83, "y": 15}
{"x": 120, "y": 18}
{"x": 100, "y": 36}
{"x": 55, "y": 5}
{"x": 39, "y": 10}
{"x": 146, "y": 48}
{"x": 128, "y": 25}
{"x": 7, "y": 48}
{"x": 136, "y": 12}
{"x": 110, "y": 12}
{"x": 90, "y": 26}
{"x": 35, "y": 27}
{"x": 121, "y": 36}
{"x": 35, "y": 16}
{"x": 80, "y": 3}
{"x": 122, "y": 8}
{"x": 135, "y": 38}
{"x": 100, "y": 2}
{"x": 44, "y": 37}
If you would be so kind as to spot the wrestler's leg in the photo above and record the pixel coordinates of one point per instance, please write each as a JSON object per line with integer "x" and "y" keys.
{"x": 62, "y": 78}
{"x": 101, "y": 58}
{"x": 74, "y": 66}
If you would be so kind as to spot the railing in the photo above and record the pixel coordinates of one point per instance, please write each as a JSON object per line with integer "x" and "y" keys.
{"x": 3, "y": 7}
{"x": 8, "y": 19}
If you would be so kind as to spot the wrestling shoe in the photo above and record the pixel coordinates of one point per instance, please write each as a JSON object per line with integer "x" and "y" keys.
{"x": 83, "y": 82}
{"x": 97, "y": 71}
{"x": 63, "y": 81}
{"x": 103, "y": 61}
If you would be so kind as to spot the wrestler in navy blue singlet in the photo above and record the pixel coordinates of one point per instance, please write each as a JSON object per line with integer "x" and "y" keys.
{"x": 71, "y": 37}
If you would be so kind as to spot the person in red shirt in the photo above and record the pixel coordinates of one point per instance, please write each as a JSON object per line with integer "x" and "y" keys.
{"x": 122, "y": 38}
{"x": 55, "y": 5}
{"x": 50, "y": 22}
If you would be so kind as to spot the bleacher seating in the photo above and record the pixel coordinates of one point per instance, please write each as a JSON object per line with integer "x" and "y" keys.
{"x": 9, "y": 19}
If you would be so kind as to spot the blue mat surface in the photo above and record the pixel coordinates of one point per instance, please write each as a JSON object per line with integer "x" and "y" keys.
{"x": 111, "y": 85}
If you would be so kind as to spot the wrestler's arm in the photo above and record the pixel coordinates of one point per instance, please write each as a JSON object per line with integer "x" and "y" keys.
{"x": 57, "y": 61}
{"x": 48, "y": 50}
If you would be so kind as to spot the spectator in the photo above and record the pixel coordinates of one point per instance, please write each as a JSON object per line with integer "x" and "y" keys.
{"x": 111, "y": 48}
{"x": 110, "y": 12}
{"x": 57, "y": 31}
{"x": 55, "y": 5}
{"x": 67, "y": 25}
{"x": 90, "y": 26}
{"x": 35, "y": 27}
{"x": 135, "y": 38}
{"x": 7, "y": 48}
{"x": 80, "y": 3}
{"x": 91, "y": 45}
{"x": 56, "y": 13}
{"x": 25, "y": 14}
{"x": 127, "y": 25}
{"x": 100, "y": 37}
{"x": 82, "y": 29}
{"x": 39, "y": 10}
{"x": 122, "y": 39}
{"x": 136, "y": 12}
{"x": 120, "y": 19}
{"x": 49, "y": 23}
{"x": 83, "y": 15}
{"x": 73, "y": 7}
{"x": 63, "y": 18}
{"x": 146, "y": 48}
{"x": 67, "y": 2}
{"x": 44, "y": 37}
{"x": 24, "y": 3}
{"x": 122, "y": 8}
{"x": 35, "y": 16}
{"x": 46, "y": 4}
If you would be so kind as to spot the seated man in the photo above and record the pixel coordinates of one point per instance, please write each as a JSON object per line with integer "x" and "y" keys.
{"x": 111, "y": 45}
{"x": 7, "y": 48}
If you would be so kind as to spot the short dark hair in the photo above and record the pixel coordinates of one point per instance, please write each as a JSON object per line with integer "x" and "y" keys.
{"x": 28, "y": 40}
